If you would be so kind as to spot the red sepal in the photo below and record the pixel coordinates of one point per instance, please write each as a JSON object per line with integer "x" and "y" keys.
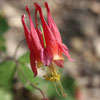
{"x": 33, "y": 64}
{"x": 35, "y": 39}
{"x": 59, "y": 63}
{"x": 27, "y": 33}
{"x": 52, "y": 25}
{"x": 65, "y": 51}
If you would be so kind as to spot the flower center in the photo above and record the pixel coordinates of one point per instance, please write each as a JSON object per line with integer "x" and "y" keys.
{"x": 53, "y": 77}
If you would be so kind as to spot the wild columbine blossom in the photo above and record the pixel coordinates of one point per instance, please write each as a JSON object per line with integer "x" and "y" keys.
{"x": 45, "y": 45}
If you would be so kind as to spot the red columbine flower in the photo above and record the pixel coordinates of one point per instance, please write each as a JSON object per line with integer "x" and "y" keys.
{"x": 45, "y": 45}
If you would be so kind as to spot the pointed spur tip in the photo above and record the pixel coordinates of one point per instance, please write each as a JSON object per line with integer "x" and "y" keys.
{"x": 72, "y": 60}
{"x": 46, "y": 4}
{"x": 35, "y": 3}
{"x": 23, "y": 16}
{"x": 27, "y": 9}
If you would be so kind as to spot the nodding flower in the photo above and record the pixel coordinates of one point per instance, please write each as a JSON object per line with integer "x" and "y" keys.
{"x": 45, "y": 45}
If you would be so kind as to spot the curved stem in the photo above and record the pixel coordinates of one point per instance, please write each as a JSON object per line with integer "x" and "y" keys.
{"x": 17, "y": 47}
{"x": 39, "y": 90}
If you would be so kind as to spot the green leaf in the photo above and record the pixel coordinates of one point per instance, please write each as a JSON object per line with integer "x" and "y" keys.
{"x": 51, "y": 91}
{"x": 69, "y": 85}
{"x": 2, "y": 44}
{"x": 5, "y": 94}
{"x": 25, "y": 74}
{"x": 25, "y": 58}
{"x": 7, "y": 71}
{"x": 3, "y": 24}
{"x": 67, "y": 98}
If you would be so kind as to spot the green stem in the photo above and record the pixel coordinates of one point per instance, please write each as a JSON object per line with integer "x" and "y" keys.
{"x": 16, "y": 50}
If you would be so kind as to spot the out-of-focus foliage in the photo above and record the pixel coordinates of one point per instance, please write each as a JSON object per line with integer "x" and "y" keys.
{"x": 3, "y": 28}
{"x": 3, "y": 24}
{"x": 23, "y": 76}
{"x": 7, "y": 70}
{"x": 2, "y": 44}
{"x": 69, "y": 85}
{"x": 25, "y": 58}
{"x": 5, "y": 94}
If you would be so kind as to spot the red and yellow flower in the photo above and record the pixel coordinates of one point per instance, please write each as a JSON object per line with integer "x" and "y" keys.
{"x": 45, "y": 44}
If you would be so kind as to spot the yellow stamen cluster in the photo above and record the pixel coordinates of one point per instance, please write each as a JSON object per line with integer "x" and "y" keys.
{"x": 53, "y": 77}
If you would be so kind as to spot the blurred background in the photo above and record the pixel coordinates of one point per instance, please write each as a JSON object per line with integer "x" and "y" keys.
{"x": 79, "y": 24}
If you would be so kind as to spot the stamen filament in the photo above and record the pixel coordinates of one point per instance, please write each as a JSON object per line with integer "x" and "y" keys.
{"x": 57, "y": 90}
{"x": 62, "y": 90}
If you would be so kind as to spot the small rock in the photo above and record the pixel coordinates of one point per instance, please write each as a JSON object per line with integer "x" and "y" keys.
{"x": 77, "y": 44}
{"x": 96, "y": 43}
{"x": 95, "y": 7}
{"x": 96, "y": 81}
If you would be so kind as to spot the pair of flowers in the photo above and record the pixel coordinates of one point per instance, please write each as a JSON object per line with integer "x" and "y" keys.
{"x": 44, "y": 42}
